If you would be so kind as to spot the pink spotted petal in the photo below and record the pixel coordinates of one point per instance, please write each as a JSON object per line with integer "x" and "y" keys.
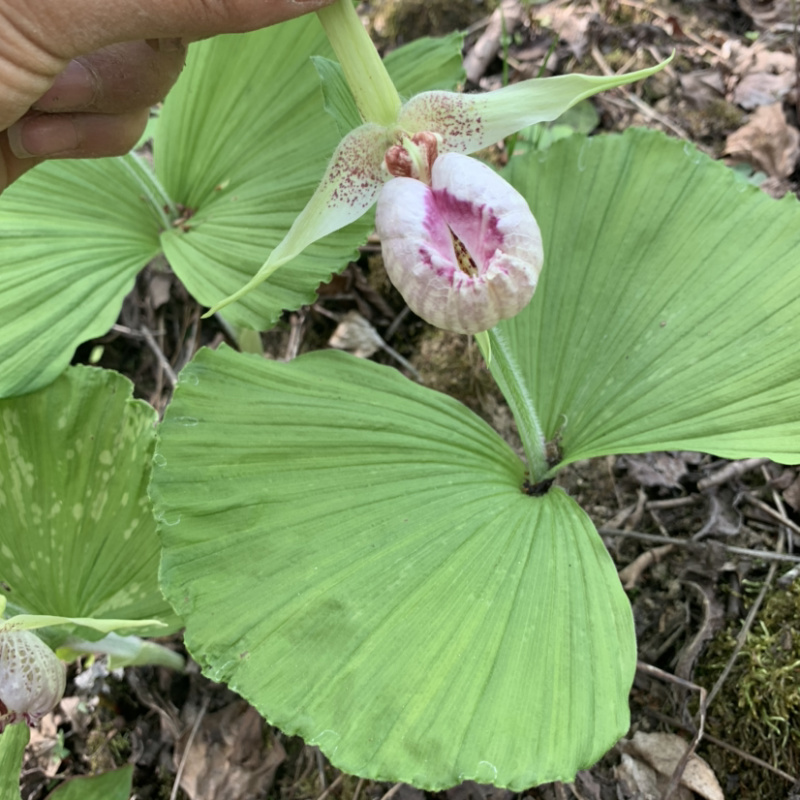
{"x": 32, "y": 678}
{"x": 467, "y": 199}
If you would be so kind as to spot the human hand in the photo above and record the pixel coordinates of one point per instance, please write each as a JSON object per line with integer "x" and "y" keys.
{"x": 78, "y": 77}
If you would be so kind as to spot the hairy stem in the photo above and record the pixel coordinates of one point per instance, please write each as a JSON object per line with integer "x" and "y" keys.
{"x": 506, "y": 372}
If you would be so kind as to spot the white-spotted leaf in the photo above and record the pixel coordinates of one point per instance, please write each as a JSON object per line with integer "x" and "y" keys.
{"x": 78, "y": 537}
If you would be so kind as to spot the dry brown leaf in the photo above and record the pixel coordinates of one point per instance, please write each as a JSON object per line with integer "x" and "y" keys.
{"x": 655, "y": 469}
{"x": 775, "y": 14}
{"x": 767, "y": 142}
{"x": 762, "y": 76}
{"x": 663, "y": 751}
{"x": 571, "y": 23}
{"x": 356, "y": 335}
{"x": 228, "y": 758}
{"x": 159, "y": 289}
{"x": 641, "y": 782}
{"x": 702, "y": 87}
{"x": 43, "y": 748}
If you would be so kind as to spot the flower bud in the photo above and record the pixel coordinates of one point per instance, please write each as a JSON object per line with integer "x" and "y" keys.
{"x": 32, "y": 678}
{"x": 465, "y": 252}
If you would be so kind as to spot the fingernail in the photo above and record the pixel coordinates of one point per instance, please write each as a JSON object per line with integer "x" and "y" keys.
{"x": 74, "y": 89}
{"x": 43, "y": 136}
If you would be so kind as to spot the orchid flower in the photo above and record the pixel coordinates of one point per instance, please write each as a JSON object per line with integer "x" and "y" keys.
{"x": 32, "y": 678}
{"x": 459, "y": 242}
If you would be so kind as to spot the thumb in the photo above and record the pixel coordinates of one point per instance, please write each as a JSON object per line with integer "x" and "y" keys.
{"x": 38, "y": 39}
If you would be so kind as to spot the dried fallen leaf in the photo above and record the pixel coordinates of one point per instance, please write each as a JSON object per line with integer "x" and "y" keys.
{"x": 767, "y": 142}
{"x": 641, "y": 782}
{"x": 702, "y": 87}
{"x": 663, "y": 751}
{"x": 571, "y": 23}
{"x": 656, "y": 469}
{"x": 356, "y": 335}
{"x": 228, "y": 758}
{"x": 762, "y": 76}
{"x": 775, "y": 14}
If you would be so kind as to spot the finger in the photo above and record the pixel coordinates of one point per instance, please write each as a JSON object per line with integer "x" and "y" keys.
{"x": 73, "y": 136}
{"x": 12, "y": 167}
{"x": 39, "y": 38}
{"x": 66, "y": 30}
{"x": 117, "y": 79}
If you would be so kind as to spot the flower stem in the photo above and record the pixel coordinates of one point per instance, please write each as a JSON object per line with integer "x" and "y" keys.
{"x": 506, "y": 372}
{"x": 372, "y": 88}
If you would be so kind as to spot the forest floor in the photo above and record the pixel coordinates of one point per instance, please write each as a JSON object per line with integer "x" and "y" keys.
{"x": 704, "y": 547}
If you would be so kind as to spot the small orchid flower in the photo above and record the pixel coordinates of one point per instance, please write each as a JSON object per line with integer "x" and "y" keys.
{"x": 32, "y": 678}
{"x": 474, "y": 276}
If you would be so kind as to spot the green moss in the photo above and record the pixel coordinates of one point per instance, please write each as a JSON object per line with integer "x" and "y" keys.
{"x": 758, "y": 707}
{"x": 714, "y": 122}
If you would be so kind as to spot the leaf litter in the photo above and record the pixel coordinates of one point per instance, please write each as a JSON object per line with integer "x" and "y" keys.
{"x": 710, "y": 573}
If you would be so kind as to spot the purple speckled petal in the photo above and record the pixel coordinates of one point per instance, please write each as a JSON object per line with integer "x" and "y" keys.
{"x": 503, "y": 247}
{"x": 470, "y": 122}
{"x": 32, "y": 678}
{"x": 348, "y": 190}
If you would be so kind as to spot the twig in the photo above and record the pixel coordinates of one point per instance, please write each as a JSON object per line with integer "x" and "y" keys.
{"x": 357, "y": 792}
{"x": 673, "y": 502}
{"x": 732, "y": 470}
{"x": 503, "y": 21}
{"x": 741, "y": 638}
{"x": 640, "y": 104}
{"x": 677, "y": 774}
{"x": 630, "y": 575}
{"x": 163, "y": 361}
{"x": 185, "y": 755}
{"x": 776, "y": 515}
{"x": 392, "y": 792}
{"x": 766, "y": 555}
{"x": 666, "y": 17}
{"x": 395, "y": 324}
{"x": 333, "y": 786}
{"x": 321, "y": 769}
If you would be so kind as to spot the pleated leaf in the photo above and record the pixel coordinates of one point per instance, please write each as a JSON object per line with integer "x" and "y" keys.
{"x": 243, "y": 142}
{"x": 114, "y": 785}
{"x": 73, "y": 235}
{"x": 668, "y": 311}
{"x": 13, "y": 741}
{"x": 78, "y": 537}
{"x": 354, "y": 554}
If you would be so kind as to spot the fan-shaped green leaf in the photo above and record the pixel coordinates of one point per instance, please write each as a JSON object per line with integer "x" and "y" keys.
{"x": 114, "y": 785}
{"x": 668, "y": 312}
{"x": 243, "y": 141}
{"x": 354, "y": 554}
{"x": 78, "y": 537}
{"x": 73, "y": 235}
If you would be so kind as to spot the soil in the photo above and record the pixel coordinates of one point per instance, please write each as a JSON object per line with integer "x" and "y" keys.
{"x": 671, "y": 521}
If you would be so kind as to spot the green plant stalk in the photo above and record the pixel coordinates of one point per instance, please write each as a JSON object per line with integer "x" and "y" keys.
{"x": 159, "y": 200}
{"x": 507, "y": 374}
{"x": 375, "y": 94}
